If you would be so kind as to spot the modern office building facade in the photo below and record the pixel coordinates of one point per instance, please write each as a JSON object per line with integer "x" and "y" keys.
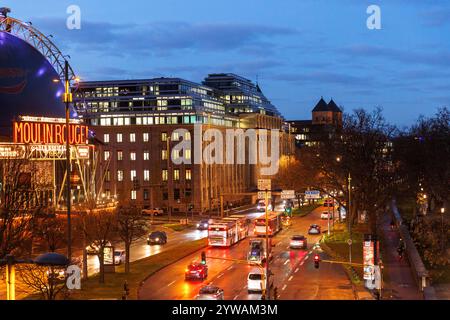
{"x": 136, "y": 120}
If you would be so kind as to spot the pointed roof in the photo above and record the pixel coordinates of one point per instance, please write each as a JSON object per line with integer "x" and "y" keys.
{"x": 333, "y": 106}
{"x": 321, "y": 106}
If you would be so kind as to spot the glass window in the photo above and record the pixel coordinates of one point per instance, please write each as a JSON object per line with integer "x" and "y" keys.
{"x": 133, "y": 194}
{"x": 163, "y": 154}
{"x": 164, "y": 136}
{"x": 119, "y": 155}
{"x": 133, "y": 156}
{"x": 106, "y": 155}
{"x": 146, "y": 155}
{"x": 164, "y": 175}
{"x": 187, "y": 136}
{"x": 106, "y": 138}
{"x": 175, "y": 136}
{"x": 176, "y": 174}
{"x": 188, "y": 174}
{"x": 133, "y": 175}
{"x": 132, "y": 137}
{"x": 119, "y": 175}
{"x": 146, "y": 175}
{"x": 145, "y": 137}
{"x": 146, "y": 194}
{"x": 175, "y": 154}
{"x": 187, "y": 154}
{"x": 108, "y": 176}
{"x": 119, "y": 137}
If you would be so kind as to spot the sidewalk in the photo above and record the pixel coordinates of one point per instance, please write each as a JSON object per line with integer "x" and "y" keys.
{"x": 399, "y": 283}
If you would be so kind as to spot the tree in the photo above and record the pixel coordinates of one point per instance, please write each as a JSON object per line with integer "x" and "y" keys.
{"x": 131, "y": 227}
{"x": 15, "y": 217}
{"x": 50, "y": 231}
{"x": 47, "y": 281}
{"x": 362, "y": 149}
{"x": 98, "y": 228}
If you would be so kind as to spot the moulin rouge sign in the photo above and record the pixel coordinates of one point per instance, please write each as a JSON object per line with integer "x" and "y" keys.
{"x": 48, "y": 131}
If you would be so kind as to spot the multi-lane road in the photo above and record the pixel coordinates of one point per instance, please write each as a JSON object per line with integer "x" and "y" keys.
{"x": 294, "y": 274}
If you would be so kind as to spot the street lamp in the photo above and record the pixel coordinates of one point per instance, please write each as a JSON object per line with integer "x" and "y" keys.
{"x": 442, "y": 229}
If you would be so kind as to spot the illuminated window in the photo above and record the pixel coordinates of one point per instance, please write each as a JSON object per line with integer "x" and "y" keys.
{"x": 146, "y": 155}
{"x": 132, "y": 137}
{"x": 133, "y": 156}
{"x": 163, "y": 154}
{"x": 187, "y": 154}
{"x": 119, "y": 155}
{"x": 145, "y": 137}
{"x": 164, "y": 136}
{"x": 175, "y": 136}
{"x": 176, "y": 174}
{"x": 119, "y": 175}
{"x": 133, "y": 194}
{"x": 187, "y": 136}
{"x": 188, "y": 174}
{"x": 108, "y": 176}
{"x": 175, "y": 154}
{"x": 133, "y": 175}
{"x": 106, "y": 138}
{"x": 119, "y": 137}
{"x": 106, "y": 155}
{"x": 146, "y": 175}
{"x": 164, "y": 175}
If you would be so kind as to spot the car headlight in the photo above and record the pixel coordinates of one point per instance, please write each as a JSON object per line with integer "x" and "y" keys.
{"x": 157, "y": 239}
{"x": 198, "y": 225}
{"x": 205, "y": 225}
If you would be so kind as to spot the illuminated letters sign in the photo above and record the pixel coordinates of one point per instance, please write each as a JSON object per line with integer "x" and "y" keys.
{"x": 49, "y": 133}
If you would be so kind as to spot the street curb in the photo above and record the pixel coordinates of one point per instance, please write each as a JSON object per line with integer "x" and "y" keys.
{"x": 350, "y": 272}
{"x": 157, "y": 270}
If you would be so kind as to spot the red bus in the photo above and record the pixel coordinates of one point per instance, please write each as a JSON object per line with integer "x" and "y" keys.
{"x": 273, "y": 227}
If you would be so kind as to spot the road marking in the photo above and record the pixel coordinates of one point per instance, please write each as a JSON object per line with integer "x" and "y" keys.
{"x": 287, "y": 247}
{"x": 306, "y": 258}
{"x": 296, "y": 270}
{"x": 235, "y": 298}
{"x": 171, "y": 283}
{"x": 230, "y": 267}
{"x": 286, "y": 262}
{"x": 301, "y": 263}
{"x": 220, "y": 275}
{"x": 290, "y": 278}
{"x": 284, "y": 287}
{"x": 224, "y": 261}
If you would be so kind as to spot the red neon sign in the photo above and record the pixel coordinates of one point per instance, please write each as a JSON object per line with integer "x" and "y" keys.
{"x": 49, "y": 133}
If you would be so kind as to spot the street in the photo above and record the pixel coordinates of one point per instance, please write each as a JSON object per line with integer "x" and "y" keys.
{"x": 294, "y": 272}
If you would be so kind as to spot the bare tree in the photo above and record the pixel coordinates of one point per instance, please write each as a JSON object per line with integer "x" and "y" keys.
{"x": 50, "y": 232}
{"x": 131, "y": 227}
{"x": 49, "y": 282}
{"x": 98, "y": 228}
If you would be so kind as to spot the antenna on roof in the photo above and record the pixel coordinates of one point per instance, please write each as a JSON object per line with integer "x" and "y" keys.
{"x": 4, "y": 11}
{"x": 256, "y": 79}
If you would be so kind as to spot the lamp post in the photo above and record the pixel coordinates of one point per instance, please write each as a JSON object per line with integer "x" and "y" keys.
{"x": 349, "y": 219}
{"x": 442, "y": 229}
{"x": 67, "y": 100}
{"x": 169, "y": 184}
{"x": 267, "y": 289}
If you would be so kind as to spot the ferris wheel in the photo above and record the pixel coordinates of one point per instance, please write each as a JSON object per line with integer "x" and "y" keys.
{"x": 31, "y": 35}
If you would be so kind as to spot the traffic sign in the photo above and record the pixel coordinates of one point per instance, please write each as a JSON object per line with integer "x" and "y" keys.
{"x": 264, "y": 184}
{"x": 312, "y": 194}
{"x": 349, "y": 241}
{"x": 262, "y": 194}
{"x": 288, "y": 194}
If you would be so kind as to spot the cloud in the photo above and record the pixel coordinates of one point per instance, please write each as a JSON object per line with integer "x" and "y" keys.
{"x": 322, "y": 77}
{"x": 162, "y": 38}
{"x": 436, "y": 17}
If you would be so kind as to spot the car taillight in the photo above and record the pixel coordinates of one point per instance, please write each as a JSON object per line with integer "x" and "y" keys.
{"x": 316, "y": 257}
{"x": 187, "y": 270}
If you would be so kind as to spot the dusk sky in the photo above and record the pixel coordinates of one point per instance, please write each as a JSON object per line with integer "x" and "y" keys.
{"x": 299, "y": 50}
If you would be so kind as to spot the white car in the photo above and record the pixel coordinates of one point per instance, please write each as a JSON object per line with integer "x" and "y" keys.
{"x": 119, "y": 256}
{"x": 155, "y": 212}
{"x": 256, "y": 281}
{"x": 326, "y": 215}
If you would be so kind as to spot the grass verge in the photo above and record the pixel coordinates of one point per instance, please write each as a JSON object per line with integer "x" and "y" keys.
{"x": 178, "y": 226}
{"x": 139, "y": 271}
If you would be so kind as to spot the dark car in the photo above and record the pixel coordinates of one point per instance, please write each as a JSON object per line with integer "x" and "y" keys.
{"x": 196, "y": 271}
{"x": 210, "y": 293}
{"x": 203, "y": 224}
{"x": 314, "y": 229}
{"x": 157, "y": 237}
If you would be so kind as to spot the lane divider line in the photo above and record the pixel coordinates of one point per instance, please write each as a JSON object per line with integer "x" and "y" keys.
{"x": 235, "y": 298}
{"x": 296, "y": 270}
{"x": 171, "y": 283}
{"x": 284, "y": 287}
{"x": 286, "y": 262}
{"x": 220, "y": 275}
{"x": 290, "y": 278}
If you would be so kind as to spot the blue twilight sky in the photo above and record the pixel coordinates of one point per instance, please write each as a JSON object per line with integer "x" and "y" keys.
{"x": 298, "y": 49}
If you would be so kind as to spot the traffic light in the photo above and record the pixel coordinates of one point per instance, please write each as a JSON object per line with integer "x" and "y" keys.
{"x": 203, "y": 257}
{"x": 288, "y": 210}
{"x": 316, "y": 261}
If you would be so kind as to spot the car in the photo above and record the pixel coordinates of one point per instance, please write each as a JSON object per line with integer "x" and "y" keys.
{"x": 314, "y": 229}
{"x": 94, "y": 247}
{"x": 154, "y": 211}
{"x": 157, "y": 237}
{"x": 210, "y": 293}
{"x": 261, "y": 206}
{"x": 119, "y": 256}
{"x": 203, "y": 225}
{"x": 298, "y": 241}
{"x": 196, "y": 270}
{"x": 326, "y": 215}
{"x": 256, "y": 281}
